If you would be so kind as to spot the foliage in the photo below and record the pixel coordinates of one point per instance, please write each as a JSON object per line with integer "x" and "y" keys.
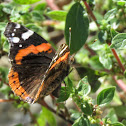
{"x": 95, "y": 33}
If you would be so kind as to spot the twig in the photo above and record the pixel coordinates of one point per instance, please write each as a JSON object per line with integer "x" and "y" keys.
{"x": 50, "y": 22}
{"x": 43, "y": 103}
{"x": 91, "y": 13}
{"x": 77, "y": 107}
{"x": 4, "y": 82}
{"x": 118, "y": 60}
{"x": 33, "y": 118}
{"x": 92, "y": 52}
{"x": 120, "y": 83}
{"x": 6, "y": 100}
{"x": 52, "y": 5}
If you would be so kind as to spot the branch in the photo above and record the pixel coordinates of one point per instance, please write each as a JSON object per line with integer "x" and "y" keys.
{"x": 49, "y": 22}
{"x": 120, "y": 83}
{"x": 118, "y": 60}
{"x": 4, "y": 82}
{"x": 32, "y": 117}
{"x": 6, "y": 100}
{"x": 92, "y": 52}
{"x": 52, "y": 5}
{"x": 90, "y": 13}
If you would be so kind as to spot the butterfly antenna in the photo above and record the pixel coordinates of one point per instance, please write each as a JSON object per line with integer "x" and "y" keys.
{"x": 69, "y": 37}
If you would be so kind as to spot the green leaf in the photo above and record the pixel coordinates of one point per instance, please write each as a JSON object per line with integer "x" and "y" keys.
{"x": 8, "y": 8}
{"x": 5, "y": 90}
{"x": 37, "y": 16}
{"x": 110, "y": 14}
{"x": 120, "y": 111}
{"x": 102, "y": 36}
{"x": 113, "y": 32}
{"x": 3, "y": 73}
{"x": 83, "y": 87}
{"x": 124, "y": 122}
{"x": 75, "y": 114}
{"x": 18, "y": 125}
{"x": 57, "y": 15}
{"x": 119, "y": 41}
{"x": 2, "y": 26}
{"x": 117, "y": 124}
{"x": 46, "y": 116}
{"x": 95, "y": 124}
{"x": 40, "y": 7}
{"x": 112, "y": 116}
{"x": 86, "y": 108}
{"x": 26, "y": 1}
{"x": 82, "y": 121}
{"x": 41, "y": 119}
{"x": 49, "y": 117}
{"x": 69, "y": 84}
{"x": 95, "y": 63}
{"x": 105, "y": 96}
{"x": 6, "y": 46}
{"x": 121, "y": 3}
{"x": 78, "y": 22}
{"x": 34, "y": 27}
{"x": 105, "y": 59}
{"x": 92, "y": 77}
{"x": 64, "y": 94}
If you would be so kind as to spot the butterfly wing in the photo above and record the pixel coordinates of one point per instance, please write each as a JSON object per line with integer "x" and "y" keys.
{"x": 30, "y": 56}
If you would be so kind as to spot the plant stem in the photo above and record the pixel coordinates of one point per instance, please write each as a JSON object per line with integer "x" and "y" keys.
{"x": 6, "y": 100}
{"x": 4, "y": 82}
{"x": 52, "y": 5}
{"x": 32, "y": 117}
{"x": 90, "y": 12}
{"x": 120, "y": 83}
{"x": 118, "y": 60}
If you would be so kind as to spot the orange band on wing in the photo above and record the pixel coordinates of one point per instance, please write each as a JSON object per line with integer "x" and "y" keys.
{"x": 61, "y": 59}
{"x": 32, "y": 49}
{"x": 39, "y": 91}
{"x": 15, "y": 85}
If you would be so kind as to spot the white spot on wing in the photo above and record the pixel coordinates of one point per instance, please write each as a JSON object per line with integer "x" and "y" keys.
{"x": 27, "y": 34}
{"x": 14, "y": 30}
{"x": 20, "y": 45}
{"x": 18, "y": 26}
{"x": 15, "y": 39}
{"x": 13, "y": 34}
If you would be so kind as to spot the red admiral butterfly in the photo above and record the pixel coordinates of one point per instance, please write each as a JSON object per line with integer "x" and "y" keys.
{"x": 36, "y": 69}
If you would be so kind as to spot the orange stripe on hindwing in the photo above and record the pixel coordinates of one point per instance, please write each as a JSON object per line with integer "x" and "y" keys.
{"x": 32, "y": 49}
{"x": 15, "y": 85}
{"x": 61, "y": 59}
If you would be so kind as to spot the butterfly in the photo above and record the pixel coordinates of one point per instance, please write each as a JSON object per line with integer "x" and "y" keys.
{"x": 37, "y": 69}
